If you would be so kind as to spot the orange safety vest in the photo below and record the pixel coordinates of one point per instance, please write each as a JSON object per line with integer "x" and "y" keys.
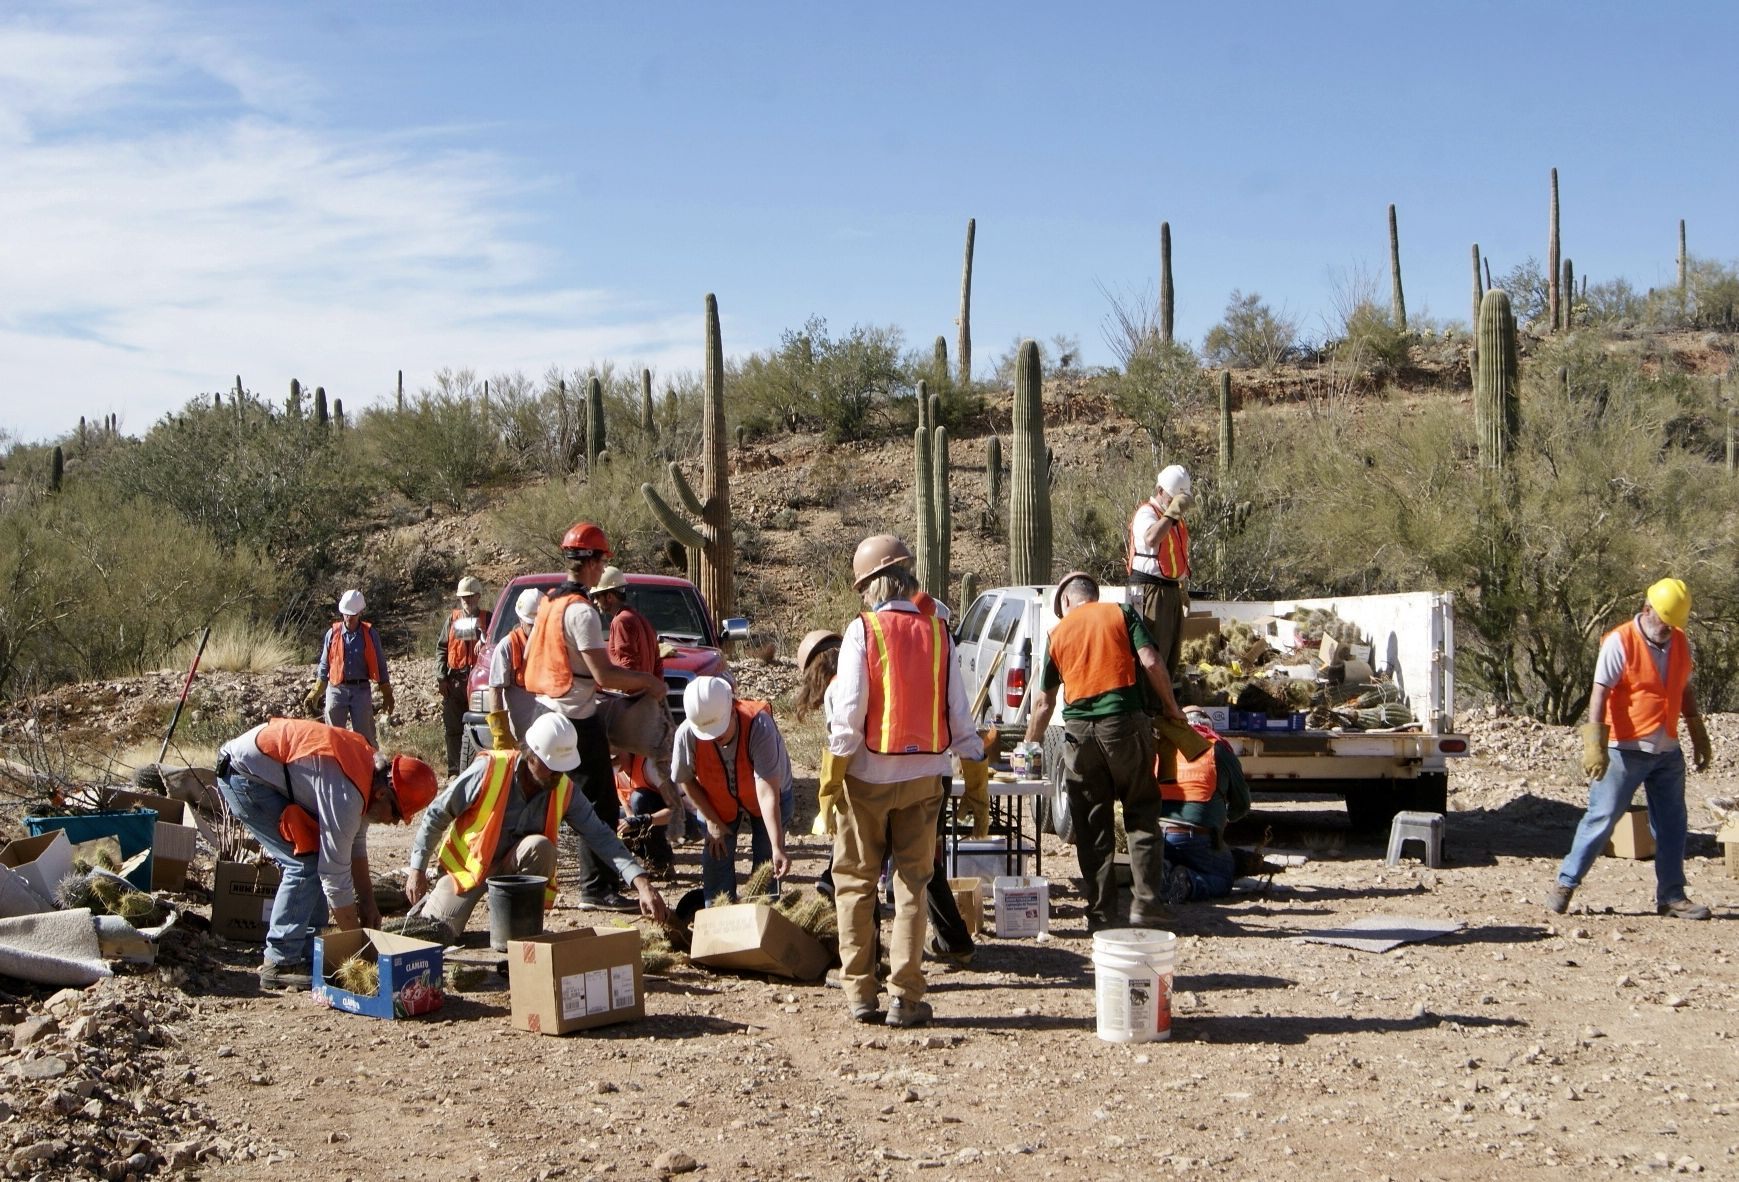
{"x": 909, "y": 660}
{"x": 1640, "y": 704}
{"x": 1173, "y": 558}
{"x": 469, "y": 850}
{"x": 631, "y": 778}
{"x": 289, "y": 740}
{"x": 462, "y": 654}
{"x": 1092, "y": 650}
{"x": 710, "y": 773}
{"x": 516, "y": 653}
{"x": 335, "y": 651}
{"x": 547, "y": 670}
{"x": 1197, "y": 779}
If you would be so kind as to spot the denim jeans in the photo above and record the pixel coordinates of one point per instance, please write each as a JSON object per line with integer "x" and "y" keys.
{"x": 299, "y": 909}
{"x": 352, "y": 706}
{"x": 1209, "y": 869}
{"x": 718, "y": 876}
{"x": 1662, "y": 778}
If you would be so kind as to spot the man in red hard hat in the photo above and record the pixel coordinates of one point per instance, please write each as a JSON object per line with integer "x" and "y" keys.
{"x": 307, "y": 792}
{"x": 567, "y": 660}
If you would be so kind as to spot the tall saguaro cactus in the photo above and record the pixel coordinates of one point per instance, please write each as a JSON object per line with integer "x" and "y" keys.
{"x": 1496, "y": 400}
{"x": 1167, "y": 294}
{"x": 648, "y": 424}
{"x": 294, "y": 405}
{"x": 711, "y": 537}
{"x": 993, "y": 474}
{"x": 1567, "y": 294}
{"x": 963, "y": 343}
{"x": 320, "y": 413}
{"x": 924, "y": 496}
{"x": 943, "y": 534}
{"x": 930, "y": 495}
{"x": 1478, "y": 288}
{"x": 1684, "y": 264}
{"x": 1029, "y": 504}
{"x": 595, "y": 443}
{"x": 1397, "y": 302}
{"x": 400, "y": 400}
{"x": 1553, "y": 294}
{"x": 1225, "y": 421}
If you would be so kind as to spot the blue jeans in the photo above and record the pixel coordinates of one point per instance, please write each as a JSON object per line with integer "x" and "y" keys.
{"x": 1209, "y": 869}
{"x": 351, "y": 706}
{"x": 1662, "y": 777}
{"x": 718, "y": 876}
{"x": 299, "y": 909}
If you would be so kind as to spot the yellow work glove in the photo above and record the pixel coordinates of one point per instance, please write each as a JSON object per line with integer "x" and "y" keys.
{"x": 385, "y": 698}
{"x": 1701, "y": 753}
{"x": 975, "y": 801}
{"x": 1179, "y": 505}
{"x": 1594, "y": 756}
{"x": 316, "y": 698}
{"x": 1180, "y": 735}
{"x": 500, "y": 734}
{"x": 828, "y": 792}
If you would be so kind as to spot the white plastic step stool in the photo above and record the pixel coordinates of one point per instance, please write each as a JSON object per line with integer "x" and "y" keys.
{"x": 1423, "y": 827}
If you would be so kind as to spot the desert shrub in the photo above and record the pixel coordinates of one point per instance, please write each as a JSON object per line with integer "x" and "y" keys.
{"x": 843, "y": 387}
{"x": 529, "y": 524}
{"x": 1714, "y": 296}
{"x": 440, "y": 446}
{"x": 1160, "y": 381}
{"x": 241, "y": 644}
{"x": 1528, "y": 289}
{"x": 1252, "y": 335}
{"x": 1371, "y": 344}
{"x": 1615, "y": 304}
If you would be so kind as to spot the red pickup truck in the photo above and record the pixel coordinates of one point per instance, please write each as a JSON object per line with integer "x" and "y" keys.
{"x": 674, "y": 607}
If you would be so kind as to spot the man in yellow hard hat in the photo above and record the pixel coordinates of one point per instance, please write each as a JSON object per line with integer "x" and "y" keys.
{"x": 1642, "y": 688}
{"x": 464, "y": 632}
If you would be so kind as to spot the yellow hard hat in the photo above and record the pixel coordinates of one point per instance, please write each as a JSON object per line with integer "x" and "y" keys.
{"x": 1671, "y": 601}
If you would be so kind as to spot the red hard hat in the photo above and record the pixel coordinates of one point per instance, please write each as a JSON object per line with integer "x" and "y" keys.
{"x": 413, "y": 784}
{"x": 584, "y": 540}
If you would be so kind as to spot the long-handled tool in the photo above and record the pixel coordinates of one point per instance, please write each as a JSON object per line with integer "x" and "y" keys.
{"x": 175, "y": 718}
{"x": 982, "y": 698}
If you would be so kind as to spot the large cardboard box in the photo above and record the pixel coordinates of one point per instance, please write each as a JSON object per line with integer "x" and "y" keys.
{"x": 167, "y": 808}
{"x": 241, "y": 900}
{"x": 1632, "y": 839}
{"x": 175, "y": 838}
{"x": 1199, "y": 624}
{"x": 566, "y": 981}
{"x": 410, "y": 974}
{"x": 756, "y": 938}
{"x": 30, "y": 870}
{"x": 969, "y": 898}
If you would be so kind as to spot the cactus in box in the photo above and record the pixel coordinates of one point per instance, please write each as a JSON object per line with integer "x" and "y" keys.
{"x": 594, "y": 422}
{"x": 924, "y": 494}
{"x": 321, "y": 417}
{"x": 1496, "y": 405}
{"x": 399, "y": 398}
{"x": 935, "y": 416}
{"x": 742, "y": 437}
{"x": 1684, "y": 265}
{"x": 1225, "y": 421}
{"x": 924, "y": 423}
{"x": 1553, "y": 294}
{"x": 964, "y": 346}
{"x": 1397, "y": 303}
{"x": 1167, "y": 295}
{"x": 293, "y": 405}
{"x": 1029, "y": 507}
{"x": 709, "y": 542}
{"x": 939, "y": 358}
{"x": 338, "y": 413}
{"x": 1567, "y": 294}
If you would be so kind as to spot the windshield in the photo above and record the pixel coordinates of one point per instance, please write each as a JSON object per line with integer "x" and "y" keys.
{"x": 672, "y": 611}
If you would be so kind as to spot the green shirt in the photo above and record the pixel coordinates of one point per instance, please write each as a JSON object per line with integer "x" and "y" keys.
{"x": 1118, "y": 701}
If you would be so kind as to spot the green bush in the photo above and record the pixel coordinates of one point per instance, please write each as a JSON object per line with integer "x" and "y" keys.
{"x": 1160, "y": 381}
{"x": 440, "y": 447}
{"x": 530, "y": 523}
{"x": 845, "y": 388}
{"x": 1371, "y": 344}
{"x": 1252, "y": 335}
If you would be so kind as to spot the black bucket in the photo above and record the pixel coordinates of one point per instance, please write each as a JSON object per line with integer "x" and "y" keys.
{"x": 515, "y": 908}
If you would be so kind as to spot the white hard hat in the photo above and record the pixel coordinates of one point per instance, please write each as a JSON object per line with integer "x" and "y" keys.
{"x": 1174, "y": 479}
{"x": 351, "y": 603}
{"x": 525, "y": 607}
{"x": 552, "y": 739}
{"x": 470, "y": 585}
{"x": 611, "y": 579}
{"x": 707, "y": 703}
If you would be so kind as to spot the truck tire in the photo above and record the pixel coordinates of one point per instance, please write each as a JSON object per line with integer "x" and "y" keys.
{"x": 467, "y": 749}
{"x": 1057, "y": 805}
{"x": 1429, "y": 793}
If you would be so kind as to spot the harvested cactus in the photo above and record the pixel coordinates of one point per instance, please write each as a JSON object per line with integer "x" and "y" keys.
{"x": 760, "y": 881}
{"x": 359, "y": 975}
{"x": 419, "y": 927}
{"x": 463, "y": 978}
{"x": 658, "y": 954}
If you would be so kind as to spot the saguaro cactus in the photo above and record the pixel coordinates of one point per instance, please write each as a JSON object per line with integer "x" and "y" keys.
{"x": 321, "y": 416}
{"x": 968, "y": 589}
{"x": 399, "y": 400}
{"x": 595, "y": 443}
{"x": 939, "y": 358}
{"x": 1684, "y": 266}
{"x": 1567, "y": 294}
{"x": 1225, "y": 421}
{"x": 648, "y": 424}
{"x": 1397, "y": 303}
{"x": 930, "y": 494}
{"x": 1029, "y": 505}
{"x": 293, "y": 406}
{"x": 712, "y": 536}
{"x": 1553, "y": 295}
{"x": 963, "y": 345}
{"x": 56, "y": 470}
{"x": 1167, "y": 295}
{"x": 1496, "y": 401}
{"x": 1478, "y": 288}
{"x": 338, "y": 413}
{"x": 943, "y": 533}
{"x": 993, "y": 474}
{"x": 924, "y": 498}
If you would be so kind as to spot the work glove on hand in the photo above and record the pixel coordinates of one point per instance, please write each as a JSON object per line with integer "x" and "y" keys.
{"x": 316, "y": 698}
{"x": 1701, "y": 753}
{"x": 975, "y": 801}
{"x": 1594, "y": 754}
{"x": 385, "y": 698}
{"x": 828, "y": 792}
{"x": 1179, "y": 505}
{"x": 500, "y": 734}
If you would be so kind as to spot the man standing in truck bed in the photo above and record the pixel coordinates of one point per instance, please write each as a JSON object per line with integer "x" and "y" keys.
{"x": 455, "y": 653}
{"x": 1159, "y": 562}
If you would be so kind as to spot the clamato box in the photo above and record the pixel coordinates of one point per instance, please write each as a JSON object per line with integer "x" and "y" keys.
{"x": 411, "y": 973}
{"x": 566, "y": 981}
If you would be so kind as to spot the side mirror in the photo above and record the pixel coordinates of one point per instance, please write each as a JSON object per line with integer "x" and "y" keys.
{"x": 734, "y": 628}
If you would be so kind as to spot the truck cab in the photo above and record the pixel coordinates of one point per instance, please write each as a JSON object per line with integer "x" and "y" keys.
{"x": 675, "y": 608}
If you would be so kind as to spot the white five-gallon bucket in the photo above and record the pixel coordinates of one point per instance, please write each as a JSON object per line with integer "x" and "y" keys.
{"x": 1132, "y": 983}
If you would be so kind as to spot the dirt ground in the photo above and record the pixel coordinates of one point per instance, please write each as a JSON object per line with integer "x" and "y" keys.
{"x": 1522, "y": 1045}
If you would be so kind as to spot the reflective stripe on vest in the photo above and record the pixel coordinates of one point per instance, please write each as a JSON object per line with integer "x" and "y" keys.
{"x": 1092, "y": 649}
{"x": 908, "y": 663}
{"x": 335, "y": 669}
{"x": 1197, "y": 779}
{"x": 710, "y": 772}
{"x": 462, "y": 654}
{"x": 1641, "y": 704}
{"x": 547, "y": 670}
{"x": 1173, "y": 557}
{"x": 291, "y": 740}
{"x": 470, "y": 847}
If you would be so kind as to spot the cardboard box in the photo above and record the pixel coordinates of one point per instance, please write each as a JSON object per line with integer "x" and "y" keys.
{"x": 171, "y": 854}
{"x": 566, "y": 981}
{"x": 241, "y": 900}
{"x": 969, "y": 898}
{"x": 1632, "y": 839}
{"x": 1023, "y": 907}
{"x": 1219, "y": 717}
{"x": 1199, "y": 624}
{"x": 30, "y": 870}
{"x": 755, "y": 938}
{"x": 167, "y": 808}
{"x": 410, "y": 974}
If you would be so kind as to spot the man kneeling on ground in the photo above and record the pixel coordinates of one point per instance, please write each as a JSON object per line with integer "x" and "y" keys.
{"x": 502, "y": 815}
{"x": 1194, "y": 809}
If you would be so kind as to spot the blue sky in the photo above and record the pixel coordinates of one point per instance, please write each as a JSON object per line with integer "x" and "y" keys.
{"x": 337, "y": 191}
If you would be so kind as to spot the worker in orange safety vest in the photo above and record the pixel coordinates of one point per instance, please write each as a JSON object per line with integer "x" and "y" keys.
{"x": 463, "y": 634}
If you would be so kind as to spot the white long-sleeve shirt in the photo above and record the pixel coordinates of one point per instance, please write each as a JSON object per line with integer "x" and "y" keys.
{"x": 847, "y": 703}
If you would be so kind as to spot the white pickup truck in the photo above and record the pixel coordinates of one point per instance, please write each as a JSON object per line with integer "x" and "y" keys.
{"x": 1003, "y": 636}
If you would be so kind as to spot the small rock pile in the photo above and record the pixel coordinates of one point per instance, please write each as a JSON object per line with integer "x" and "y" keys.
{"x": 94, "y": 1085}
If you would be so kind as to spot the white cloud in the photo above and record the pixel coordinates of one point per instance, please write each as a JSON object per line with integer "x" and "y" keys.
{"x": 149, "y": 259}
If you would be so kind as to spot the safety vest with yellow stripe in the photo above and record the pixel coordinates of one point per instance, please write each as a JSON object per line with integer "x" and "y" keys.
{"x": 908, "y": 661}
{"x": 1172, "y": 559}
{"x": 469, "y": 850}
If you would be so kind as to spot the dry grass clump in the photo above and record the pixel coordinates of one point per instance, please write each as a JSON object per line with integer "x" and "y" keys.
{"x": 240, "y": 646}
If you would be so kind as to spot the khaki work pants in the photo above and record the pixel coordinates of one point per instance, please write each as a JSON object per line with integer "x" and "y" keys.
{"x": 1163, "y": 607}
{"x": 446, "y": 902}
{"x": 874, "y": 821}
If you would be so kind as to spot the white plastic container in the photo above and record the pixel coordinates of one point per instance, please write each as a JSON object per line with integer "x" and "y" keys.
{"x": 986, "y": 858}
{"x": 1023, "y": 906}
{"x": 1132, "y": 970}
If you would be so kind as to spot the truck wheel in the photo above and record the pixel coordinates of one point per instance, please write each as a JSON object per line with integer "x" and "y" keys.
{"x": 1061, "y": 822}
{"x": 1429, "y": 793}
{"x": 1372, "y": 806}
{"x": 467, "y": 749}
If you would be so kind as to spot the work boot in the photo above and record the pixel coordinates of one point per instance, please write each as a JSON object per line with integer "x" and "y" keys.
{"x": 610, "y": 902}
{"x": 1175, "y": 886}
{"x": 905, "y": 1013}
{"x": 1558, "y": 898}
{"x": 1683, "y": 909}
{"x": 866, "y": 1012}
{"x": 285, "y": 976}
{"x": 959, "y": 958}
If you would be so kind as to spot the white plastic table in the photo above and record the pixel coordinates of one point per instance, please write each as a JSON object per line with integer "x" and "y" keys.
{"x": 1007, "y": 815}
